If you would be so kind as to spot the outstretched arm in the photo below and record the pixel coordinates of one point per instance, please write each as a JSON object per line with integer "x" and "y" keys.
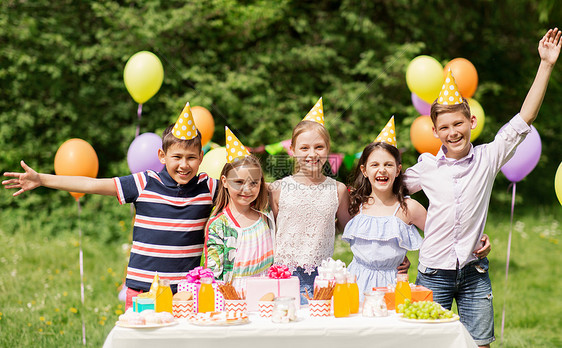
{"x": 31, "y": 179}
{"x": 549, "y": 50}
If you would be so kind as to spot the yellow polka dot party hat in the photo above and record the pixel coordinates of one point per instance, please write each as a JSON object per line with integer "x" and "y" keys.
{"x": 316, "y": 114}
{"x": 388, "y": 133}
{"x": 449, "y": 94}
{"x": 185, "y": 125}
{"x": 234, "y": 148}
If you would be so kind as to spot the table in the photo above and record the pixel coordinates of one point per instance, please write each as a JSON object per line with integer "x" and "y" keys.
{"x": 355, "y": 331}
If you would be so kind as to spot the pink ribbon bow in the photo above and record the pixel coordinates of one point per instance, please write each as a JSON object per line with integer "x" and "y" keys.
{"x": 195, "y": 275}
{"x": 279, "y": 272}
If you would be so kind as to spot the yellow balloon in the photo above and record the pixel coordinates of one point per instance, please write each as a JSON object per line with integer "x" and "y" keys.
{"x": 558, "y": 183}
{"x": 424, "y": 77}
{"x": 143, "y": 76}
{"x": 213, "y": 162}
{"x": 477, "y": 110}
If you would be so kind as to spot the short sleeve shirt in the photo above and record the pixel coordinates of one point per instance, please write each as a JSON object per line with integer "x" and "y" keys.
{"x": 168, "y": 233}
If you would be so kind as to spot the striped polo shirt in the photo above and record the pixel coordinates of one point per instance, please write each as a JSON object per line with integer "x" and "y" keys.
{"x": 168, "y": 234}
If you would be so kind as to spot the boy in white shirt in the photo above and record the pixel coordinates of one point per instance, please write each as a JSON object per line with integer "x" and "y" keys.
{"x": 458, "y": 183}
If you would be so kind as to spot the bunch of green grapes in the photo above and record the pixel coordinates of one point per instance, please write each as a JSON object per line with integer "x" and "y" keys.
{"x": 423, "y": 310}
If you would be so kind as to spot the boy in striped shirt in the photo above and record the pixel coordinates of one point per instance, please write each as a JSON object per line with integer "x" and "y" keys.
{"x": 172, "y": 206}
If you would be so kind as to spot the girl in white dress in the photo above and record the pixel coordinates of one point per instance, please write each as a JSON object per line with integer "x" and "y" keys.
{"x": 307, "y": 204}
{"x": 383, "y": 228}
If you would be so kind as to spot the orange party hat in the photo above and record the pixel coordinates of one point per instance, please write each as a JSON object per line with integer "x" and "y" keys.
{"x": 185, "y": 125}
{"x": 449, "y": 94}
{"x": 388, "y": 133}
{"x": 234, "y": 148}
{"x": 316, "y": 114}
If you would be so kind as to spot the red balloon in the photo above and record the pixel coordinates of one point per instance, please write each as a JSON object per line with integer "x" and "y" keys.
{"x": 421, "y": 135}
{"x": 77, "y": 158}
{"x": 465, "y": 76}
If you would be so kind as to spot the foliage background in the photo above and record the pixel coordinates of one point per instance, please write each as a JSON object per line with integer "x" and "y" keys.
{"x": 259, "y": 66}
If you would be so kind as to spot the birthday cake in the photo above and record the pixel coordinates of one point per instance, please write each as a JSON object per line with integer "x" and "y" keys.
{"x": 279, "y": 282}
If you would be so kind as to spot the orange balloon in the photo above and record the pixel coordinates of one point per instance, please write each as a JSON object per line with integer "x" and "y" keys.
{"x": 77, "y": 195}
{"x": 465, "y": 76}
{"x": 204, "y": 122}
{"x": 421, "y": 134}
{"x": 78, "y": 158}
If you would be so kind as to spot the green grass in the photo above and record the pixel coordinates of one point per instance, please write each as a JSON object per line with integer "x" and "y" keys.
{"x": 40, "y": 302}
{"x": 532, "y": 296}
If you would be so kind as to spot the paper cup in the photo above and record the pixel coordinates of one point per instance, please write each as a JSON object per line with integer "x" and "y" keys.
{"x": 319, "y": 308}
{"x": 183, "y": 309}
{"x": 265, "y": 308}
{"x": 236, "y": 308}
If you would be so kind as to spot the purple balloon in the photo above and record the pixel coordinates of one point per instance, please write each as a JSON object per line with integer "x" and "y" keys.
{"x": 143, "y": 153}
{"x": 525, "y": 159}
{"x": 421, "y": 105}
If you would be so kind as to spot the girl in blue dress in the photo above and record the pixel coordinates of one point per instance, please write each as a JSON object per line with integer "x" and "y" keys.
{"x": 383, "y": 227}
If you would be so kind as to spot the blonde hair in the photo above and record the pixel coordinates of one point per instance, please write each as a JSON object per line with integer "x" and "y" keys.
{"x": 437, "y": 109}
{"x": 305, "y": 126}
{"x": 223, "y": 198}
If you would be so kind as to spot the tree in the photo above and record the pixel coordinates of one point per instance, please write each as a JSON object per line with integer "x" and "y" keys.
{"x": 258, "y": 66}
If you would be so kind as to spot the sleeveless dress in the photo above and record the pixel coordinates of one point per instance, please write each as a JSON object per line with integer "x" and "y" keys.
{"x": 379, "y": 244}
{"x": 254, "y": 254}
{"x": 232, "y": 251}
{"x": 305, "y": 223}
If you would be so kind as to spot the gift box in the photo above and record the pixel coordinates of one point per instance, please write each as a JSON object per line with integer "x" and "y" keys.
{"x": 184, "y": 285}
{"x": 278, "y": 282}
{"x": 256, "y": 287}
{"x": 419, "y": 293}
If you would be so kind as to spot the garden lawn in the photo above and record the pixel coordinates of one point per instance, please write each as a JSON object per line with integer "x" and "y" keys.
{"x": 40, "y": 277}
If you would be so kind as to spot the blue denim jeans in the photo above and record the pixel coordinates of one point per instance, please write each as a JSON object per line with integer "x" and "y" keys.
{"x": 471, "y": 288}
{"x": 307, "y": 282}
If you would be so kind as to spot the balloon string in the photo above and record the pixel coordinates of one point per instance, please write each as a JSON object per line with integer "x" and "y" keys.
{"x": 81, "y": 273}
{"x": 139, "y": 113}
{"x": 508, "y": 255}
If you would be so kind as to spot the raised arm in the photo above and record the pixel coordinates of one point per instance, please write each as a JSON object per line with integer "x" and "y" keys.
{"x": 549, "y": 50}
{"x": 31, "y": 179}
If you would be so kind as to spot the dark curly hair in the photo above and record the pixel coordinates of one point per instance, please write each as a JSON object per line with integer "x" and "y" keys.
{"x": 361, "y": 189}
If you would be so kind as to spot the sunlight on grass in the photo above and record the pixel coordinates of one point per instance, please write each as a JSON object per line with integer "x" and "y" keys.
{"x": 532, "y": 294}
{"x": 40, "y": 280}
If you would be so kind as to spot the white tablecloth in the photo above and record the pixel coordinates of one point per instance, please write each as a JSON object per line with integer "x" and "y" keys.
{"x": 355, "y": 331}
